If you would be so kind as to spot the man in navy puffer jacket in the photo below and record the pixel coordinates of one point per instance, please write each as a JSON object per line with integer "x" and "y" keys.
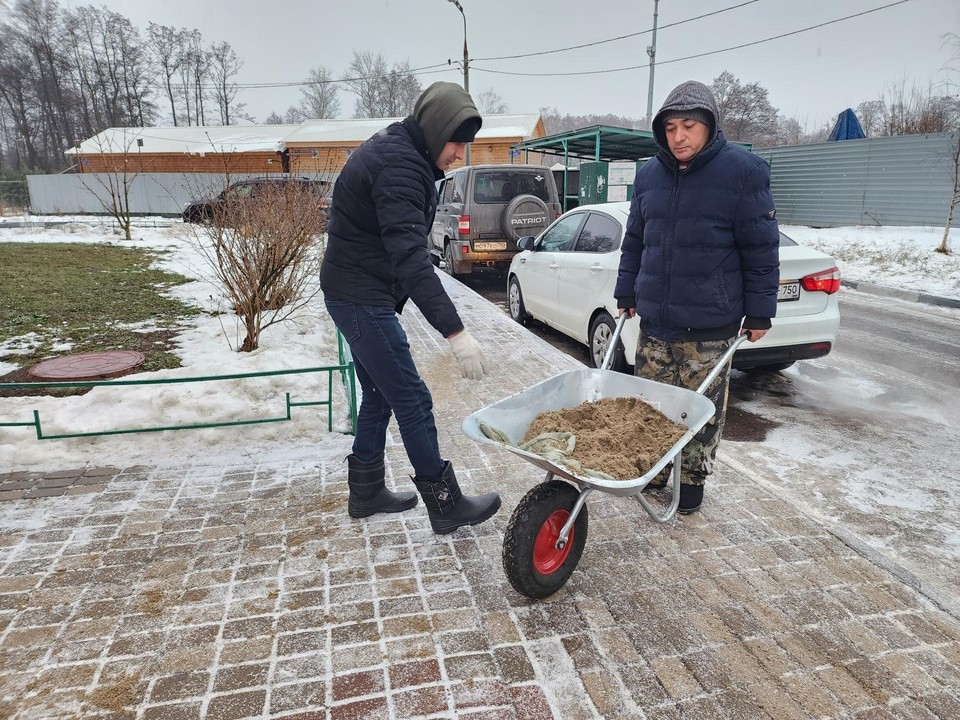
{"x": 376, "y": 258}
{"x": 699, "y": 262}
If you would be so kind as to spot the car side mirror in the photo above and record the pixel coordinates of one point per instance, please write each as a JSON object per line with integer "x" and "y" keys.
{"x": 526, "y": 242}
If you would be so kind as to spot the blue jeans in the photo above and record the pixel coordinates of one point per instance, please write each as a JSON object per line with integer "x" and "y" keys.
{"x": 391, "y": 385}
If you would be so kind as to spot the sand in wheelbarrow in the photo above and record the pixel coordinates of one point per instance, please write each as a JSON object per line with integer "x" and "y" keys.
{"x": 622, "y": 437}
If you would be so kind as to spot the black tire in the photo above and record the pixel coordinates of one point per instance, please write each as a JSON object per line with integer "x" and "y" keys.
{"x": 774, "y": 367}
{"x": 524, "y": 215}
{"x": 532, "y": 563}
{"x": 448, "y": 260}
{"x": 518, "y": 310}
{"x": 601, "y": 330}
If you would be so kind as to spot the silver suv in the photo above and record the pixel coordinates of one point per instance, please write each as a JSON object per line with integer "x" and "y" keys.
{"x": 485, "y": 209}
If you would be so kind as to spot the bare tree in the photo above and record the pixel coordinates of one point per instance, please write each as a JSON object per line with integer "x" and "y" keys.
{"x": 164, "y": 41}
{"x": 122, "y": 167}
{"x": 381, "y": 91}
{"x": 265, "y": 253}
{"x": 871, "y": 114}
{"x": 490, "y": 102}
{"x": 320, "y": 98}
{"x": 224, "y": 66}
{"x": 745, "y": 110}
{"x": 944, "y": 246}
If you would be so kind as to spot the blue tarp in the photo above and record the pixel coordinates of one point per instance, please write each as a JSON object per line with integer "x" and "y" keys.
{"x": 847, "y": 127}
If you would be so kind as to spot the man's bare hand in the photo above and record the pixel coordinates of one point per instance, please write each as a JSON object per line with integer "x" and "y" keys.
{"x": 753, "y": 335}
{"x": 631, "y": 312}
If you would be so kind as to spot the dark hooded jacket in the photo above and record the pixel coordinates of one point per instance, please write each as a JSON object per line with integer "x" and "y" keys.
{"x": 383, "y": 207}
{"x": 700, "y": 253}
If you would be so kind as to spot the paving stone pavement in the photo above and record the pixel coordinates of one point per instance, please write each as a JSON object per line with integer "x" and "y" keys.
{"x": 247, "y": 592}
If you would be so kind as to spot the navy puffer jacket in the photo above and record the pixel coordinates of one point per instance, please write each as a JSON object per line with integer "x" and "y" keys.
{"x": 701, "y": 248}
{"x": 383, "y": 207}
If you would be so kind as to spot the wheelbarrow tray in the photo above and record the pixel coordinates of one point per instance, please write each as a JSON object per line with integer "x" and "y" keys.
{"x": 513, "y": 416}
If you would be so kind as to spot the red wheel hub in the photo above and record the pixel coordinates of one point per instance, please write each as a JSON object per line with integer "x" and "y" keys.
{"x": 547, "y": 558}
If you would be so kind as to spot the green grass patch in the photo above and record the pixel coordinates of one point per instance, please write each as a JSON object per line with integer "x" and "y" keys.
{"x": 88, "y": 296}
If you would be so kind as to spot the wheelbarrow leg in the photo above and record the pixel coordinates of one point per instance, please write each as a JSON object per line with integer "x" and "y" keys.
{"x": 675, "y": 500}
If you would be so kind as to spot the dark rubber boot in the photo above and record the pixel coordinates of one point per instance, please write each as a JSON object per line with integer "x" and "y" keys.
{"x": 450, "y": 509}
{"x": 369, "y": 494}
{"x": 691, "y": 496}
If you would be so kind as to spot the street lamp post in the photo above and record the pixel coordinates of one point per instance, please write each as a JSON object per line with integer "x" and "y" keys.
{"x": 466, "y": 61}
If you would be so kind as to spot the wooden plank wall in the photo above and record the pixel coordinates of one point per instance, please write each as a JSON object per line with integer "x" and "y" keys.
{"x": 262, "y": 163}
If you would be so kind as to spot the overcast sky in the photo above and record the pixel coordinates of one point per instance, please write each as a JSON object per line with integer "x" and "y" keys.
{"x": 812, "y": 75}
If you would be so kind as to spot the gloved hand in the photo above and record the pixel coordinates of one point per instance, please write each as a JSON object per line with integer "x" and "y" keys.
{"x": 468, "y": 354}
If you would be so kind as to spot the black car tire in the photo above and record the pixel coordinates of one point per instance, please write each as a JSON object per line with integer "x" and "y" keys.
{"x": 448, "y": 260}
{"x": 524, "y": 215}
{"x": 518, "y": 310}
{"x": 601, "y": 330}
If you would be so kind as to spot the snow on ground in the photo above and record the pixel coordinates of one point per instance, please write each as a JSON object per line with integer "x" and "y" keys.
{"x": 898, "y": 257}
{"x": 308, "y": 341}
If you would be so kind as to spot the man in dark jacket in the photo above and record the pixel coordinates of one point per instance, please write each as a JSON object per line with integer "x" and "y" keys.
{"x": 376, "y": 258}
{"x": 700, "y": 261}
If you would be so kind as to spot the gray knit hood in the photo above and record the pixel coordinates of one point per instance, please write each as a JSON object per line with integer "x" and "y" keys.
{"x": 691, "y": 95}
{"x": 440, "y": 110}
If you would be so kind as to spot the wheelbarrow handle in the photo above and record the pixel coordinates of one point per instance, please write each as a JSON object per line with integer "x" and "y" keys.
{"x": 721, "y": 364}
{"x": 608, "y": 358}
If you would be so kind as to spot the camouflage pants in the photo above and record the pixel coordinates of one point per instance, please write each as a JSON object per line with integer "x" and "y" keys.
{"x": 687, "y": 364}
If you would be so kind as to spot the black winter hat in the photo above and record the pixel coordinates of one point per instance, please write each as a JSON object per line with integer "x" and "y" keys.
{"x": 467, "y": 131}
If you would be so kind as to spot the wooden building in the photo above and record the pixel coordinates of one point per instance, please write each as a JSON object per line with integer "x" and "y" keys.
{"x": 316, "y": 147}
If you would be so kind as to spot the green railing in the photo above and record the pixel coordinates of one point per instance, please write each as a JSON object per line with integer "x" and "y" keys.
{"x": 347, "y": 376}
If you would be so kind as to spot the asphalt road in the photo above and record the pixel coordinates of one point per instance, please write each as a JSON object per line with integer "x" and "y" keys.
{"x": 867, "y": 438}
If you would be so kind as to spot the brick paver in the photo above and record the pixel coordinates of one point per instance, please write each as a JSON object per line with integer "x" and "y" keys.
{"x": 247, "y": 592}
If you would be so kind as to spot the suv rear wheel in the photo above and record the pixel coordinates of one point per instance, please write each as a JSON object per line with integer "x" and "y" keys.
{"x": 448, "y": 260}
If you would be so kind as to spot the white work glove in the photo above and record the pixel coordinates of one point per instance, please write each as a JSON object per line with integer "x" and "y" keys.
{"x": 468, "y": 354}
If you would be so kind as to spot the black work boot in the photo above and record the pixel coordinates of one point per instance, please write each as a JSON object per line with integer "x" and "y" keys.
{"x": 368, "y": 492}
{"x": 450, "y": 509}
{"x": 691, "y": 496}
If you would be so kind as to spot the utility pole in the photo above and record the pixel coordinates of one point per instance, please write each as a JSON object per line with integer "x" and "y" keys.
{"x": 652, "y": 54}
{"x": 466, "y": 63}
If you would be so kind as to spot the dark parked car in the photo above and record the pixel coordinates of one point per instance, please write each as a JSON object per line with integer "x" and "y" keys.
{"x": 235, "y": 194}
{"x": 483, "y": 211}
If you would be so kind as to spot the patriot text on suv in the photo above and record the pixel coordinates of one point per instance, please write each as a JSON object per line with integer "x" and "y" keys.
{"x": 484, "y": 209}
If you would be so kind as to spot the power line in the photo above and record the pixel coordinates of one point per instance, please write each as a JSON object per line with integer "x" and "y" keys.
{"x": 698, "y": 55}
{"x": 619, "y": 37}
{"x": 426, "y": 70}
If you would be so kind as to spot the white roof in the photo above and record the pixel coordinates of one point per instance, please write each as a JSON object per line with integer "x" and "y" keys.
{"x": 358, "y": 130}
{"x": 192, "y": 140}
{"x": 199, "y": 140}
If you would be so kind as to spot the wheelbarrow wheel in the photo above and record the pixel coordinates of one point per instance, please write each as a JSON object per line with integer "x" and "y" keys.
{"x": 532, "y": 562}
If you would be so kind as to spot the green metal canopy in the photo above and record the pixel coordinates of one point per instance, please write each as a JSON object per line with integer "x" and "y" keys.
{"x": 597, "y": 142}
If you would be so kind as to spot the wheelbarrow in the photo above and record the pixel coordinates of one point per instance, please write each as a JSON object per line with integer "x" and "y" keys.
{"x": 547, "y": 532}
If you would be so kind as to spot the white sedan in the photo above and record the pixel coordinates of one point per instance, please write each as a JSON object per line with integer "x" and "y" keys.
{"x": 565, "y": 278}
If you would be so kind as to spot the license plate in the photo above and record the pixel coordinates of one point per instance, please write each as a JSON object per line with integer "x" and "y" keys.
{"x": 488, "y": 246}
{"x": 789, "y": 291}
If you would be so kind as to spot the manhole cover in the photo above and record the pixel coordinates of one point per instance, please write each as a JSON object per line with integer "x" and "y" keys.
{"x": 88, "y": 366}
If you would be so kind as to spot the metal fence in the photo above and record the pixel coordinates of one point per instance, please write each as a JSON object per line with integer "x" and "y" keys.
{"x": 901, "y": 180}
{"x": 150, "y": 193}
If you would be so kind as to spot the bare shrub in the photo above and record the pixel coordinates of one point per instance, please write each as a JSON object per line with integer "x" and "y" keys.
{"x": 265, "y": 249}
